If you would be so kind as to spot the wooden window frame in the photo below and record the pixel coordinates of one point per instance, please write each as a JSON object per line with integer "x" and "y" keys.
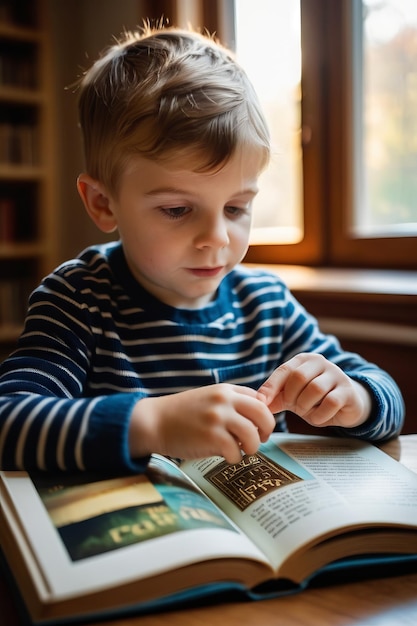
{"x": 346, "y": 249}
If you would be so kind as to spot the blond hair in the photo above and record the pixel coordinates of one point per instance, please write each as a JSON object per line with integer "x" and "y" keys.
{"x": 163, "y": 94}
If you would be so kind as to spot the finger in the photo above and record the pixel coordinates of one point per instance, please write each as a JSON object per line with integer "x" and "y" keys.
{"x": 312, "y": 393}
{"x": 245, "y": 391}
{"x": 328, "y": 412}
{"x": 246, "y": 435}
{"x": 273, "y": 386}
{"x": 256, "y": 412}
{"x": 231, "y": 449}
{"x": 293, "y": 378}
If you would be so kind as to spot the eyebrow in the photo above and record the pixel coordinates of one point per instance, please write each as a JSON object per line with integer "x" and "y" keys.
{"x": 178, "y": 190}
{"x": 162, "y": 190}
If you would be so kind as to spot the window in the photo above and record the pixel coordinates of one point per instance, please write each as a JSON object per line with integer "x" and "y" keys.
{"x": 291, "y": 48}
{"x": 387, "y": 139}
{"x": 347, "y": 193}
{"x": 372, "y": 94}
{"x": 275, "y": 71}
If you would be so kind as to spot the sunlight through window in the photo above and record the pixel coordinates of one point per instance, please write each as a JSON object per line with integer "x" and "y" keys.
{"x": 268, "y": 45}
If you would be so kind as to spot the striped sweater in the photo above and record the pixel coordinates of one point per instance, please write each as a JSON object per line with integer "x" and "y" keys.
{"x": 95, "y": 342}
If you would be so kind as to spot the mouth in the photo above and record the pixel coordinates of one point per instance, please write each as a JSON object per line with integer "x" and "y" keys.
{"x": 206, "y": 272}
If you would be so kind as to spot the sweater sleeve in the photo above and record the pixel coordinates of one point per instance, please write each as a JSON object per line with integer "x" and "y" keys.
{"x": 56, "y": 434}
{"x": 47, "y": 421}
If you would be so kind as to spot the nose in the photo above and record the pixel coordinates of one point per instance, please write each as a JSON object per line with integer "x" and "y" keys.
{"x": 213, "y": 232}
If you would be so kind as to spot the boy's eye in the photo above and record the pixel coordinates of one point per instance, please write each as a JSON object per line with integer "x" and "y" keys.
{"x": 175, "y": 212}
{"x": 235, "y": 211}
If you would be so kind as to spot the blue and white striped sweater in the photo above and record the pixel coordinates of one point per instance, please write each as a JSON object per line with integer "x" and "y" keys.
{"x": 95, "y": 342}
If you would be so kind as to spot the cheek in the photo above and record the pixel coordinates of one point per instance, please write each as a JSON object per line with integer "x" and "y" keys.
{"x": 157, "y": 253}
{"x": 240, "y": 234}
{"x": 140, "y": 248}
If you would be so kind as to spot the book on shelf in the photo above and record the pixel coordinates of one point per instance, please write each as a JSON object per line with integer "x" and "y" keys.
{"x": 18, "y": 70}
{"x": 302, "y": 508}
{"x": 7, "y": 220}
{"x": 18, "y": 143}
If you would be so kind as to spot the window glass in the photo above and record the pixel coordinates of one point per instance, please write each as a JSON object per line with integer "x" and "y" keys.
{"x": 386, "y": 118}
{"x": 268, "y": 45}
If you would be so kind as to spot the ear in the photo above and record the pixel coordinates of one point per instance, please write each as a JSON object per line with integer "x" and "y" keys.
{"x": 96, "y": 202}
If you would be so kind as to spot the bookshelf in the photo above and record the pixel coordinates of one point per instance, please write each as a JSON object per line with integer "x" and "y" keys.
{"x": 27, "y": 220}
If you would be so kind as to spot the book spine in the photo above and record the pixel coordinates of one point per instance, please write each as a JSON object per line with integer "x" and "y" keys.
{"x": 7, "y": 220}
{"x": 18, "y": 144}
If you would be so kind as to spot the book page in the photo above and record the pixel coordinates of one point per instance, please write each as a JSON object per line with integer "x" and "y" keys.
{"x": 80, "y": 536}
{"x": 298, "y": 488}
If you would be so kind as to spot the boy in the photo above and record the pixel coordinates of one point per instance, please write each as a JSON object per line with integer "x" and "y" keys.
{"x": 161, "y": 342}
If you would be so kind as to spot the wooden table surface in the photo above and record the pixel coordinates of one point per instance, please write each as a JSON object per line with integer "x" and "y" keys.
{"x": 378, "y": 602}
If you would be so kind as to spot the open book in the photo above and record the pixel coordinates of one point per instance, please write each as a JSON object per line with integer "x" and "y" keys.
{"x": 88, "y": 546}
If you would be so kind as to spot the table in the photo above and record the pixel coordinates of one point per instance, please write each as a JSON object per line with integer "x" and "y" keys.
{"x": 379, "y": 602}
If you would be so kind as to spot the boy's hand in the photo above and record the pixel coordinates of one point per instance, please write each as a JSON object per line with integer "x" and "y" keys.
{"x": 220, "y": 419}
{"x": 318, "y": 391}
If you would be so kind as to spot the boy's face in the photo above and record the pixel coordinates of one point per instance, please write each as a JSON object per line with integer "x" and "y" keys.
{"x": 182, "y": 231}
